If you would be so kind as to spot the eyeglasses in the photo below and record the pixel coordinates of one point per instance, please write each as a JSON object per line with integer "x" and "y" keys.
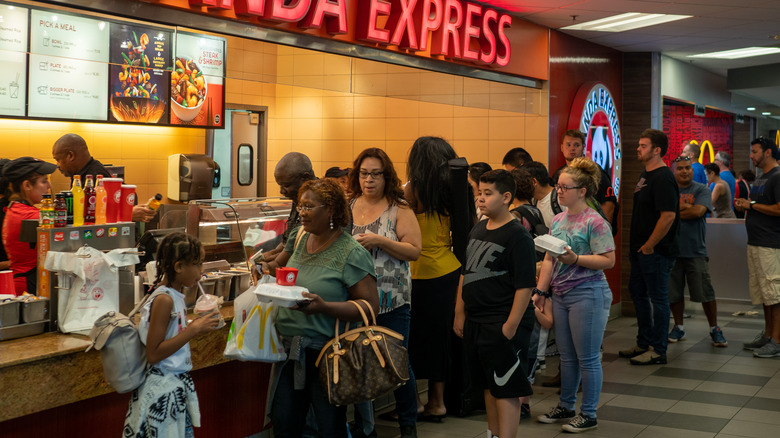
{"x": 564, "y": 189}
{"x": 374, "y": 175}
{"x": 306, "y": 208}
{"x": 682, "y": 158}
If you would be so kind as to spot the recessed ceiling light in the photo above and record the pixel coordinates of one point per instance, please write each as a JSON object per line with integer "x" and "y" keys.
{"x": 766, "y": 113}
{"x": 751, "y": 108}
{"x": 747, "y": 52}
{"x": 623, "y": 22}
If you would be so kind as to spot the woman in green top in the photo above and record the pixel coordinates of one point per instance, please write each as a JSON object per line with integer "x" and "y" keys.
{"x": 335, "y": 269}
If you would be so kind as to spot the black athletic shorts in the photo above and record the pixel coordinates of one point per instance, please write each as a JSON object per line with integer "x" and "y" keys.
{"x": 494, "y": 362}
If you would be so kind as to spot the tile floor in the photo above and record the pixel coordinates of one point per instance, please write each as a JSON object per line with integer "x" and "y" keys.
{"x": 702, "y": 392}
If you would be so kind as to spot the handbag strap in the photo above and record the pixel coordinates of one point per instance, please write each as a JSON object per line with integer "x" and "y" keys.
{"x": 362, "y": 314}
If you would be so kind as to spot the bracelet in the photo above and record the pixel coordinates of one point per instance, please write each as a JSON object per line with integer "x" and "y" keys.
{"x": 539, "y": 292}
{"x": 577, "y": 259}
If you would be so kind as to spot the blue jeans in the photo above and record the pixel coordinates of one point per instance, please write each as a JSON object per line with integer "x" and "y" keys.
{"x": 398, "y": 320}
{"x": 649, "y": 288}
{"x": 580, "y": 317}
{"x": 291, "y": 406}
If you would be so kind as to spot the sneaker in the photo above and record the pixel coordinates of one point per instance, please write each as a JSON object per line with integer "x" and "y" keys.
{"x": 541, "y": 365}
{"x": 634, "y": 351}
{"x": 409, "y": 431}
{"x": 717, "y": 338}
{"x": 649, "y": 357}
{"x": 676, "y": 334}
{"x": 556, "y": 415}
{"x": 757, "y": 343}
{"x": 525, "y": 411}
{"x": 770, "y": 349}
{"x": 580, "y": 423}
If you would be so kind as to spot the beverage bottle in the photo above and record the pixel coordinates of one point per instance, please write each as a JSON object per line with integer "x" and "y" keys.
{"x": 60, "y": 211}
{"x": 101, "y": 202}
{"x": 47, "y": 212}
{"x": 69, "y": 203}
{"x": 78, "y": 201}
{"x": 90, "y": 202}
{"x": 154, "y": 202}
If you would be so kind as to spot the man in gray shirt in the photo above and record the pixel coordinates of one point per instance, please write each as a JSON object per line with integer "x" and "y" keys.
{"x": 691, "y": 263}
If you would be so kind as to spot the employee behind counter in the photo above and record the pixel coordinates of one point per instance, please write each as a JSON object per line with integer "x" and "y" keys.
{"x": 73, "y": 158}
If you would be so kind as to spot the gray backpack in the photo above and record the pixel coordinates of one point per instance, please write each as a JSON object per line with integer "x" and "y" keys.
{"x": 121, "y": 350}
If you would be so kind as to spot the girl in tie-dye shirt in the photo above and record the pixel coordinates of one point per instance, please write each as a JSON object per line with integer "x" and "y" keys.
{"x": 580, "y": 294}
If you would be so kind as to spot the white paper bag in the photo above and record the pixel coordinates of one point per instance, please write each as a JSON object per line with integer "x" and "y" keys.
{"x": 253, "y": 335}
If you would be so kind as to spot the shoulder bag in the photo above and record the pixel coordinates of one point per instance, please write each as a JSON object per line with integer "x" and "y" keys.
{"x": 363, "y": 363}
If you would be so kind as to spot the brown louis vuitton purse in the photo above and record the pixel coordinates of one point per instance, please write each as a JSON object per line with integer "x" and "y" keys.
{"x": 363, "y": 363}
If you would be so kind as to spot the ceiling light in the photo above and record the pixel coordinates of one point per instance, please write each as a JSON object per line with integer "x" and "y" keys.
{"x": 747, "y": 52}
{"x": 623, "y": 22}
{"x": 766, "y": 113}
{"x": 751, "y": 108}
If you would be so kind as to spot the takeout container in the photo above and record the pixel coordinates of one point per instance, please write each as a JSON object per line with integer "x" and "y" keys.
{"x": 550, "y": 244}
{"x": 9, "y": 313}
{"x": 281, "y": 296}
{"x": 286, "y": 276}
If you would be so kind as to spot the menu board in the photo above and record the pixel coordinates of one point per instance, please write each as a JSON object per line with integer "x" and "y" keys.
{"x": 139, "y": 77}
{"x": 197, "y": 80}
{"x": 68, "y": 74}
{"x": 13, "y": 49}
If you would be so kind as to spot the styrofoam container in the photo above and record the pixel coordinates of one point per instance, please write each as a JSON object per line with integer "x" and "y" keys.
{"x": 282, "y": 296}
{"x": 550, "y": 244}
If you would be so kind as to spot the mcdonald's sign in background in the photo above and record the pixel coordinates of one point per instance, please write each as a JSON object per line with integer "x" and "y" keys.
{"x": 681, "y": 125}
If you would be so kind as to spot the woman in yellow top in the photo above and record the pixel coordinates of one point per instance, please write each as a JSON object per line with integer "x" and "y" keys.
{"x": 439, "y": 201}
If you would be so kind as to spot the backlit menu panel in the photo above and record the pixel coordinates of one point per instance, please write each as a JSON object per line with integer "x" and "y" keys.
{"x": 13, "y": 50}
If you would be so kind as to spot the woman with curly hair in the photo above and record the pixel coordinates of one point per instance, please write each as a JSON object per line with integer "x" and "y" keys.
{"x": 335, "y": 268}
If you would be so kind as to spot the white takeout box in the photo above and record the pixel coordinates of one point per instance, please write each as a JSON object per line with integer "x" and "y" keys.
{"x": 281, "y": 296}
{"x": 552, "y": 245}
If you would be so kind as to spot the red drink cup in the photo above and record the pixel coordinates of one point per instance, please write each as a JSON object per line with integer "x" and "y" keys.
{"x": 126, "y": 203}
{"x": 113, "y": 188}
{"x": 7, "y": 282}
{"x": 286, "y": 276}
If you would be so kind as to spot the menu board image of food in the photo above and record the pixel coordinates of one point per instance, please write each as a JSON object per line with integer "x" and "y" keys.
{"x": 197, "y": 80}
{"x": 68, "y": 78}
{"x": 139, "y": 77}
{"x": 13, "y": 50}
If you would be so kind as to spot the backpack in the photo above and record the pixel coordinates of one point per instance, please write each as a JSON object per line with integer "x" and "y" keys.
{"x": 121, "y": 350}
{"x": 534, "y": 217}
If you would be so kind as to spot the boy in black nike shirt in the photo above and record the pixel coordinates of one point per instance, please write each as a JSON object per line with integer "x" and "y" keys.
{"x": 492, "y": 313}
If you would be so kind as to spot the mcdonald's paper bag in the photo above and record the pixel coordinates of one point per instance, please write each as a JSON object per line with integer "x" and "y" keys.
{"x": 253, "y": 335}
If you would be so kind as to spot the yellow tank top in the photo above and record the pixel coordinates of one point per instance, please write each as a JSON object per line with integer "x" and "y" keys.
{"x": 436, "y": 258}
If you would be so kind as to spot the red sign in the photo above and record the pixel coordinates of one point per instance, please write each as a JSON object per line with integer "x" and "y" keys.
{"x": 455, "y": 30}
{"x": 594, "y": 113}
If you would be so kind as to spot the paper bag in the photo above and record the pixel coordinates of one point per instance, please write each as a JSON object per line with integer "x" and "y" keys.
{"x": 253, "y": 335}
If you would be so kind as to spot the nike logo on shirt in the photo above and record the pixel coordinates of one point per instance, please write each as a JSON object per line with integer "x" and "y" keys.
{"x": 501, "y": 381}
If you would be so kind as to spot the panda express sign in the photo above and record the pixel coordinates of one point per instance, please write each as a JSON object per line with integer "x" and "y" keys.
{"x": 595, "y": 114}
{"x": 453, "y": 29}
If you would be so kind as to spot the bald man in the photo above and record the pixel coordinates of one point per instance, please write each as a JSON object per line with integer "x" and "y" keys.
{"x": 290, "y": 173}
{"x": 72, "y": 156}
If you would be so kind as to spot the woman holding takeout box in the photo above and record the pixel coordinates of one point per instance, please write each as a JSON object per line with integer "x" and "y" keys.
{"x": 334, "y": 268}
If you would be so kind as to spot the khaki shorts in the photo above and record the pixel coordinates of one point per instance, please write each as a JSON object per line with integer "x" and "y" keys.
{"x": 764, "y": 269}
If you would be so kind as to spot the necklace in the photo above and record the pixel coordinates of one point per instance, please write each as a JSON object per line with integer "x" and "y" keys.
{"x": 323, "y": 245}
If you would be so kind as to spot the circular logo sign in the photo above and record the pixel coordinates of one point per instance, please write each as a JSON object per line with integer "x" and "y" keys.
{"x": 291, "y": 278}
{"x": 594, "y": 114}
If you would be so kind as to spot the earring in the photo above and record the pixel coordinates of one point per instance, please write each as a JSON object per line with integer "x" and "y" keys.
{"x": 331, "y": 222}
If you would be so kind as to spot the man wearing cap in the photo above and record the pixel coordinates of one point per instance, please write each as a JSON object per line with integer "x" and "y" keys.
{"x": 340, "y": 176}
{"x": 29, "y": 181}
{"x": 73, "y": 158}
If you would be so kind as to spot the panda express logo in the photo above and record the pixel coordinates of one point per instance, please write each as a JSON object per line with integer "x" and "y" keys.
{"x": 594, "y": 113}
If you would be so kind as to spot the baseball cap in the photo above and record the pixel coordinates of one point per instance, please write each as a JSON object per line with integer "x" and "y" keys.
{"x": 23, "y": 166}
{"x": 336, "y": 172}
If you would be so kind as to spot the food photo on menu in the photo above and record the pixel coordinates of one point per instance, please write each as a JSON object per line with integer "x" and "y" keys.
{"x": 139, "y": 75}
{"x": 196, "y": 90}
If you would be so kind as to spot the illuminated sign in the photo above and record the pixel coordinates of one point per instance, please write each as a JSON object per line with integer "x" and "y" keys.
{"x": 706, "y": 144}
{"x": 454, "y": 29}
{"x": 594, "y": 113}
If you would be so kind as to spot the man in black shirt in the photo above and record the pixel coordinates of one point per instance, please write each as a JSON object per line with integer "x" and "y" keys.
{"x": 73, "y": 158}
{"x": 653, "y": 242}
{"x": 572, "y": 146}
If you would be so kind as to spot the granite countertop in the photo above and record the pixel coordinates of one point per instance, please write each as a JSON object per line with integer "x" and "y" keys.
{"x": 48, "y": 345}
